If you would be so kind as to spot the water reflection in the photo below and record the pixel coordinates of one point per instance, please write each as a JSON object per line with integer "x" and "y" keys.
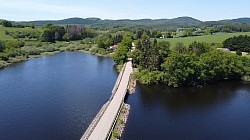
{"x": 213, "y": 112}
{"x": 179, "y": 99}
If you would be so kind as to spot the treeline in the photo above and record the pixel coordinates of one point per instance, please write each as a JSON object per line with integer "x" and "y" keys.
{"x": 234, "y": 27}
{"x": 54, "y": 33}
{"x": 194, "y": 65}
{"x": 6, "y": 23}
{"x": 239, "y": 43}
{"x": 24, "y": 34}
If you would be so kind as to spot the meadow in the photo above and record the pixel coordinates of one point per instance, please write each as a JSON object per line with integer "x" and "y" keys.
{"x": 215, "y": 38}
{"x": 3, "y": 36}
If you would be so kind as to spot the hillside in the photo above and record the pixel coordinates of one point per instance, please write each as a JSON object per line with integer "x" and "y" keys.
{"x": 179, "y": 22}
{"x": 148, "y": 23}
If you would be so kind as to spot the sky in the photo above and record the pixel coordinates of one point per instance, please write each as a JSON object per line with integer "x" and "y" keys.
{"x": 205, "y": 10}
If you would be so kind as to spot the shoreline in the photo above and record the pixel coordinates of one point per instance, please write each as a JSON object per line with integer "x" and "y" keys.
{"x": 4, "y": 64}
{"x": 121, "y": 123}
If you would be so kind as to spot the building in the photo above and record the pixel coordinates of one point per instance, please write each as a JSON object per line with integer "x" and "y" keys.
{"x": 114, "y": 47}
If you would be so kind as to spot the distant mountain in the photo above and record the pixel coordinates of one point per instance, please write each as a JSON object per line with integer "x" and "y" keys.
{"x": 242, "y": 20}
{"x": 140, "y": 23}
{"x": 86, "y": 21}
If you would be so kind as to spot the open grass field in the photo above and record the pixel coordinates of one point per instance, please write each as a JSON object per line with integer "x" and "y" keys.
{"x": 216, "y": 38}
{"x": 3, "y": 36}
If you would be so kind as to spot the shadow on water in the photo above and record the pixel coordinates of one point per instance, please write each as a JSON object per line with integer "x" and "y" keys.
{"x": 179, "y": 99}
{"x": 213, "y": 112}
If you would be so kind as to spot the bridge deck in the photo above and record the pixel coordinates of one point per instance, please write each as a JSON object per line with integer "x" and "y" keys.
{"x": 102, "y": 129}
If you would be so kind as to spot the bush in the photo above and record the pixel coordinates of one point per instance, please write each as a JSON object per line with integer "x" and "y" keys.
{"x": 31, "y": 50}
{"x": 246, "y": 78}
{"x": 14, "y": 44}
{"x": 239, "y": 53}
{"x": 86, "y": 49}
{"x": 49, "y": 48}
{"x": 93, "y": 50}
{"x": 149, "y": 78}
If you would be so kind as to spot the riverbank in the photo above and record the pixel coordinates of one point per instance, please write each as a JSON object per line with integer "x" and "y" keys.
{"x": 121, "y": 122}
{"x": 132, "y": 83}
{"x": 13, "y": 60}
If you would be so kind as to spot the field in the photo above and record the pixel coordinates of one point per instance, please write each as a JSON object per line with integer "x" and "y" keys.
{"x": 216, "y": 38}
{"x": 3, "y": 36}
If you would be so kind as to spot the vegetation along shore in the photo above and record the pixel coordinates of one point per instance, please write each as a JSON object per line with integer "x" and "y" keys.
{"x": 190, "y": 53}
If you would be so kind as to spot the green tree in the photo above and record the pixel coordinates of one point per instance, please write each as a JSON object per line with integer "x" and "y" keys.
{"x": 6, "y": 23}
{"x": 2, "y": 46}
{"x": 179, "y": 47}
{"x": 120, "y": 56}
{"x": 179, "y": 69}
{"x": 199, "y": 48}
{"x": 48, "y": 35}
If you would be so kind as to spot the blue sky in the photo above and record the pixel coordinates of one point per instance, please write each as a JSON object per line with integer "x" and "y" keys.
{"x": 26, "y": 10}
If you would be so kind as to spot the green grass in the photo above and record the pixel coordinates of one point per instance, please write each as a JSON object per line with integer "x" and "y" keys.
{"x": 3, "y": 36}
{"x": 216, "y": 38}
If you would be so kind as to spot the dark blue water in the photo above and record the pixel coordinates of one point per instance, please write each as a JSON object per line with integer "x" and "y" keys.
{"x": 53, "y": 98}
{"x": 215, "y": 112}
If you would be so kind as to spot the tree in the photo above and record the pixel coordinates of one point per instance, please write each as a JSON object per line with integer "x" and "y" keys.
{"x": 120, "y": 56}
{"x": 179, "y": 69}
{"x": 147, "y": 54}
{"x": 48, "y": 35}
{"x": 6, "y": 23}
{"x": 241, "y": 43}
{"x": 239, "y": 53}
{"x": 2, "y": 46}
{"x": 127, "y": 40}
{"x": 164, "y": 48}
{"x": 199, "y": 48}
{"x": 179, "y": 47}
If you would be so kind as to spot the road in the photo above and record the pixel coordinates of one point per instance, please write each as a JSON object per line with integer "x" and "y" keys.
{"x": 104, "y": 125}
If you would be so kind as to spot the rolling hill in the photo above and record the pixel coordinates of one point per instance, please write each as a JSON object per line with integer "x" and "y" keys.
{"x": 179, "y": 22}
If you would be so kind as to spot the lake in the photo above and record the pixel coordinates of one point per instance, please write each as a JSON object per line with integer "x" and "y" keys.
{"x": 56, "y": 98}
{"x": 53, "y": 98}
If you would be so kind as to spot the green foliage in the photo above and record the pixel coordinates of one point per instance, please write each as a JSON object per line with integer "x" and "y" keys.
{"x": 13, "y": 44}
{"x": 241, "y": 43}
{"x": 180, "y": 48}
{"x": 104, "y": 41}
{"x": 30, "y": 50}
{"x": 146, "y": 54}
{"x": 52, "y": 33}
{"x": 179, "y": 69}
{"x": 239, "y": 53}
{"x": 2, "y": 46}
{"x": 6, "y": 23}
{"x": 192, "y": 66}
{"x": 149, "y": 78}
{"x": 48, "y": 35}
{"x": 120, "y": 55}
{"x": 50, "y": 48}
{"x": 199, "y": 48}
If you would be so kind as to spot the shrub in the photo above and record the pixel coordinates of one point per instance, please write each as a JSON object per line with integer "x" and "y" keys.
{"x": 239, "y": 53}
{"x": 31, "y": 50}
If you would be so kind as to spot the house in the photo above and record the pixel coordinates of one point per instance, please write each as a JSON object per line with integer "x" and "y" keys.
{"x": 114, "y": 47}
{"x": 224, "y": 49}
